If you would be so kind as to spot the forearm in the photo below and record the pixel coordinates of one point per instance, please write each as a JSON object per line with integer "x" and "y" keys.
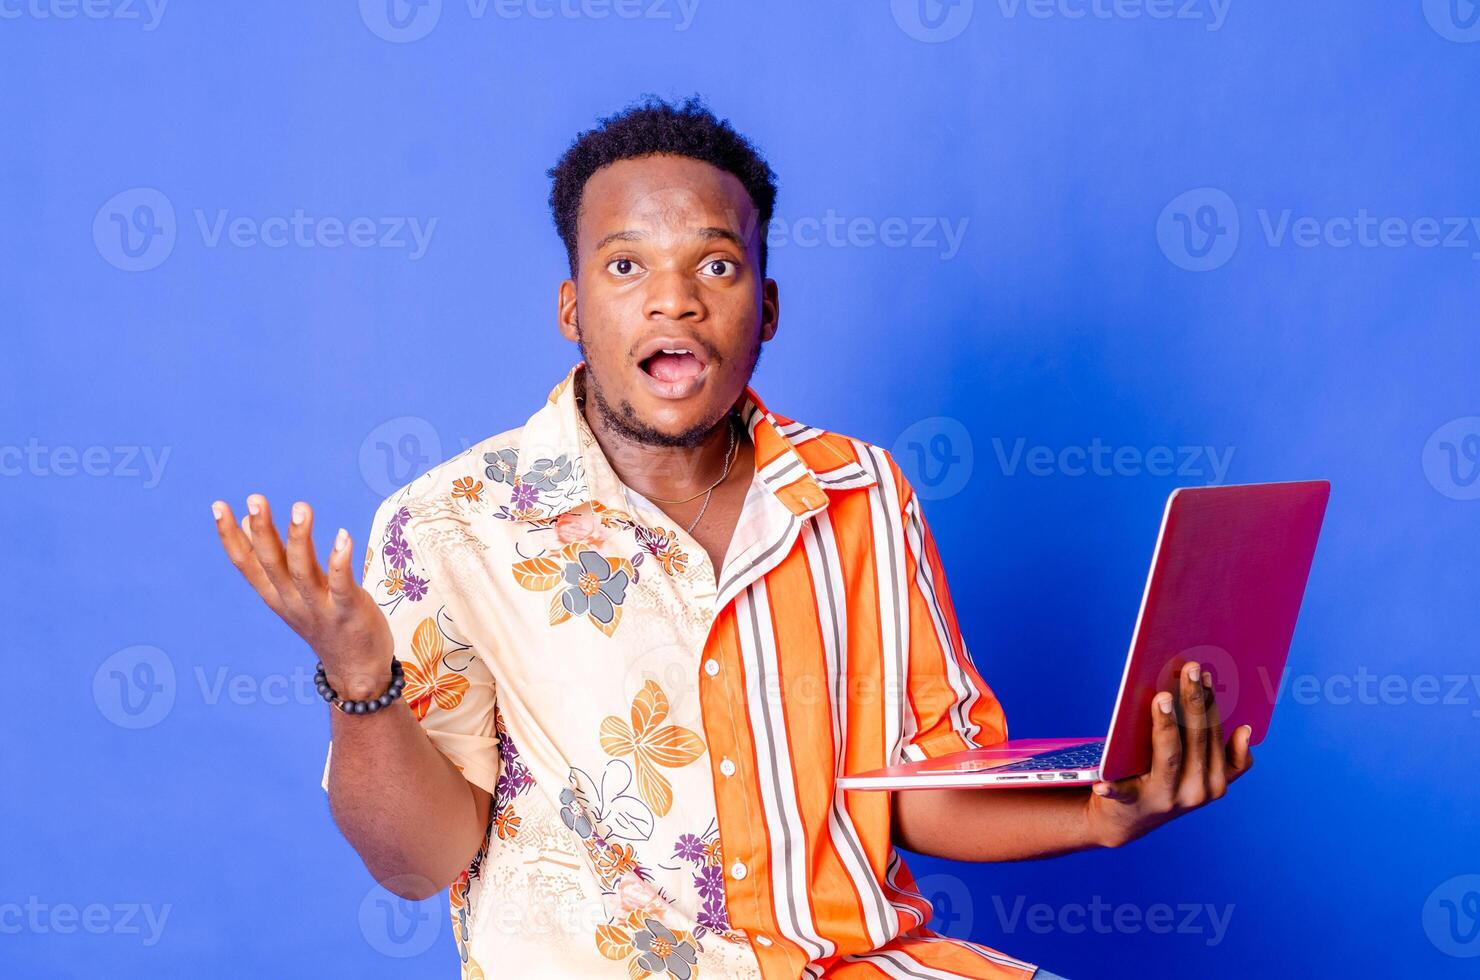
{"x": 993, "y": 824}
{"x": 403, "y": 806}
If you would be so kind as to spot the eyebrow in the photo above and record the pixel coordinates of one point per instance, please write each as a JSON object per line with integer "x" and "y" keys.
{"x": 710, "y": 233}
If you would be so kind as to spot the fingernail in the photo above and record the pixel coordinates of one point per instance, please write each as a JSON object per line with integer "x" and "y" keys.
{"x": 1164, "y": 702}
{"x": 1101, "y": 789}
{"x": 299, "y": 513}
{"x": 1195, "y": 673}
{"x": 341, "y": 540}
{"x": 1247, "y": 730}
{"x": 216, "y": 510}
{"x": 1207, "y": 680}
{"x": 252, "y": 506}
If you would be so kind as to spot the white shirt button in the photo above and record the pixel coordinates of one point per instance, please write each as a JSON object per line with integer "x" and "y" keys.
{"x": 726, "y": 766}
{"x": 738, "y": 871}
{"x": 711, "y": 666}
{"x": 763, "y": 940}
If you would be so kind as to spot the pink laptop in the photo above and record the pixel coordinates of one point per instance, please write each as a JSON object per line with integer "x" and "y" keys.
{"x": 1226, "y": 582}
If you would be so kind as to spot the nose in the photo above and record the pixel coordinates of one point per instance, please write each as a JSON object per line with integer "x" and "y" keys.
{"x": 673, "y": 295}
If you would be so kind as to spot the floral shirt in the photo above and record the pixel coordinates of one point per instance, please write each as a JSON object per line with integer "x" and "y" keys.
{"x": 661, "y": 747}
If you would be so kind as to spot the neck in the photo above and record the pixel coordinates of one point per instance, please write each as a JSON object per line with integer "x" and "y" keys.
{"x": 670, "y": 472}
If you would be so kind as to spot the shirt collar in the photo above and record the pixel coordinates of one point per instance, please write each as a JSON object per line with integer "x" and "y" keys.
{"x": 795, "y": 462}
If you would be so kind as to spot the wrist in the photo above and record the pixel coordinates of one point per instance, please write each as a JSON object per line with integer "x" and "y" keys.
{"x": 1099, "y": 831}
{"x": 360, "y": 682}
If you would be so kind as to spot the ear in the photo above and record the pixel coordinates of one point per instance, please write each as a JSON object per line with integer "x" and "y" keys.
{"x": 566, "y": 310}
{"x": 770, "y": 309}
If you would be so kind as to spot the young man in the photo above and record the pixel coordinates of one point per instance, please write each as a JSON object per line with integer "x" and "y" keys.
{"x": 617, "y": 656}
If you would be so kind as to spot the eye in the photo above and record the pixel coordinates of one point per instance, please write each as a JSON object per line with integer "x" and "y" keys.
{"x": 621, "y": 267}
{"x": 721, "y": 268}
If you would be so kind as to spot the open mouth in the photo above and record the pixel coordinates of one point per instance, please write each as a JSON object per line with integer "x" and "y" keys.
{"x": 673, "y": 365}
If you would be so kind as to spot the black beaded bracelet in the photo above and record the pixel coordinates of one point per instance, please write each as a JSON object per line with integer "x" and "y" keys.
{"x": 398, "y": 683}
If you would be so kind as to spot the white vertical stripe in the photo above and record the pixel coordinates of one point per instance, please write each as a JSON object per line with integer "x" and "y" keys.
{"x": 894, "y": 610}
{"x": 775, "y": 771}
{"x": 829, "y": 592}
{"x": 891, "y": 877}
{"x": 967, "y": 693}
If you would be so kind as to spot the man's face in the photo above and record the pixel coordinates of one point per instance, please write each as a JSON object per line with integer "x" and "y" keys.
{"x": 668, "y": 257}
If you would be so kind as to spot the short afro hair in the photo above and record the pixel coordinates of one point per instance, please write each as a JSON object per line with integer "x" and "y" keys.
{"x": 655, "y": 126}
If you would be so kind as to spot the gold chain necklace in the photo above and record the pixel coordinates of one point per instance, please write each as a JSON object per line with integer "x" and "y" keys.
{"x": 706, "y": 493}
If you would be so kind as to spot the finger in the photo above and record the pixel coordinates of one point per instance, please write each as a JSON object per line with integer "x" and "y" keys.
{"x": 1217, "y": 778}
{"x": 268, "y": 548}
{"x": 239, "y": 549}
{"x": 342, "y": 585}
{"x": 1240, "y": 754}
{"x": 303, "y": 564}
{"x": 1166, "y": 748}
{"x": 1190, "y": 790}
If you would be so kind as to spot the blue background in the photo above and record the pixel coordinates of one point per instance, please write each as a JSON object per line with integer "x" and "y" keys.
{"x": 1070, "y": 313}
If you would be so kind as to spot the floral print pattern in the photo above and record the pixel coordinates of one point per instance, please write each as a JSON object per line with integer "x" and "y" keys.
{"x": 651, "y": 744}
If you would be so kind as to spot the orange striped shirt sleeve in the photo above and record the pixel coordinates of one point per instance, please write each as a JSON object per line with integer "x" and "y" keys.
{"x": 950, "y": 707}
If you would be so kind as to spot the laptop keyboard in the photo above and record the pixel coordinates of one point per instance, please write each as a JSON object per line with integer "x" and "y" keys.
{"x": 1078, "y": 757}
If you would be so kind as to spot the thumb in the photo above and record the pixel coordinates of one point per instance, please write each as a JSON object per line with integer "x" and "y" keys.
{"x": 1121, "y": 791}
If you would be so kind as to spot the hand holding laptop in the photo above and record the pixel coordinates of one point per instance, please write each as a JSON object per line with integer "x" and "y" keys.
{"x": 1212, "y": 635}
{"x": 1190, "y": 764}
